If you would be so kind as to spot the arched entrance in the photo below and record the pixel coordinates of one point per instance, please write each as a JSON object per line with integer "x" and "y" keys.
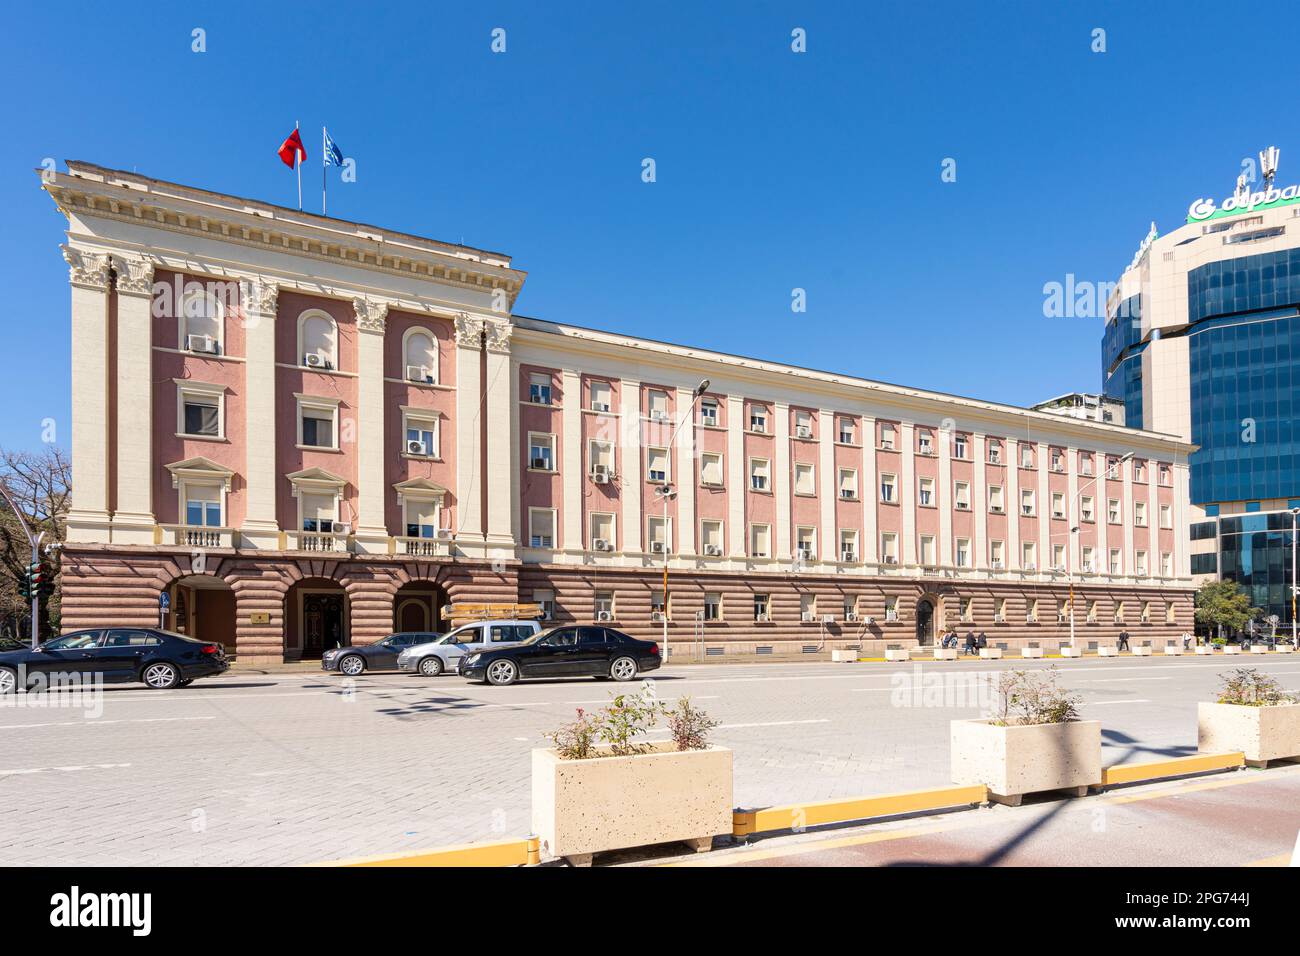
{"x": 418, "y": 606}
{"x": 925, "y": 621}
{"x": 316, "y": 618}
{"x": 202, "y": 607}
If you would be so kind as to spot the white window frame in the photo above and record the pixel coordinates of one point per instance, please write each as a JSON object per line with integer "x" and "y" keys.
{"x": 925, "y": 492}
{"x": 650, "y": 452}
{"x": 318, "y": 404}
{"x": 844, "y": 426}
{"x": 1058, "y": 498}
{"x": 707, "y": 420}
{"x": 758, "y": 419}
{"x": 930, "y": 543}
{"x": 331, "y": 361}
{"x": 716, "y": 524}
{"x": 805, "y": 533}
{"x": 550, "y": 440}
{"x": 850, "y": 486}
{"x": 712, "y": 456}
{"x": 1166, "y": 516}
{"x": 997, "y": 500}
{"x": 888, "y": 547}
{"x": 892, "y": 485}
{"x": 182, "y": 318}
{"x": 659, "y": 521}
{"x": 595, "y": 444}
{"x": 183, "y": 486}
{"x": 411, "y": 333}
{"x": 415, "y": 418}
{"x": 766, "y": 474}
{"x": 532, "y": 514}
{"x": 888, "y": 436}
{"x": 1029, "y": 499}
{"x": 754, "y": 529}
{"x": 608, "y": 386}
{"x": 961, "y": 495}
{"x": 592, "y": 535}
{"x": 958, "y": 559}
{"x": 535, "y": 388}
{"x": 805, "y": 468}
{"x": 849, "y": 536}
{"x": 185, "y": 388}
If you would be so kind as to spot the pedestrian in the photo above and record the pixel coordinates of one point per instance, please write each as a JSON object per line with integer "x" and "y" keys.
{"x": 970, "y": 643}
{"x": 983, "y": 640}
{"x": 1187, "y": 640}
{"x": 1123, "y": 640}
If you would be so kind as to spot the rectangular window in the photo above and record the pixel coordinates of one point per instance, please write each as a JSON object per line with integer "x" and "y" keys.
{"x": 802, "y": 424}
{"x": 709, "y": 413}
{"x": 1169, "y": 614}
{"x": 1112, "y": 510}
{"x": 887, "y": 436}
{"x": 1000, "y": 610}
{"x": 603, "y": 605}
{"x": 888, "y": 488}
{"x": 1027, "y": 503}
{"x": 807, "y": 607}
{"x": 657, "y": 608}
{"x": 602, "y": 532}
{"x": 1089, "y": 559}
{"x": 1058, "y": 557}
{"x": 539, "y": 388}
{"x": 804, "y": 483}
{"x": 848, "y": 546}
{"x": 421, "y": 436}
{"x": 846, "y": 431}
{"x": 712, "y": 606}
{"x": 201, "y": 414}
{"x": 421, "y": 518}
{"x": 1092, "y": 612}
{"x": 541, "y": 452}
{"x": 658, "y": 402}
{"x": 657, "y": 533}
{"x": 758, "y": 419}
{"x": 1029, "y": 556}
{"x": 995, "y": 452}
{"x": 711, "y": 469}
{"x": 711, "y": 536}
{"x": 1167, "y": 564}
{"x": 1145, "y": 616}
{"x": 888, "y": 547}
{"x": 541, "y": 528}
{"x": 657, "y": 464}
{"x": 1026, "y": 456}
{"x": 929, "y": 558}
{"x": 1140, "y": 564}
{"x": 1119, "y": 612}
{"x": 762, "y": 604}
{"x": 1166, "y": 516}
{"x": 1140, "y": 513}
{"x": 317, "y": 426}
{"x": 966, "y": 609}
{"x": 601, "y": 458}
{"x": 805, "y": 543}
{"x": 1031, "y": 611}
{"x": 997, "y": 552}
{"x": 1058, "y": 460}
{"x": 891, "y": 609}
{"x": 545, "y": 599}
{"x": 600, "y": 396}
{"x": 319, "y": 512}
{"x": 848, "y": 482}
{"x": 1085, "y": 464}
{"x": 961, "y": 495}
{"x": 925, "y": 492}
{"x": 962, "y": 554}
{"x": 1086, "y": 508}
{"x": 758, "y": 474}
{"x": 203, "y": 506}
{"x": 1164, "y": 474}
{"x": 996, "y": 504}
{"x": 959, "y": 444}
{"x": 760, "y": 541}
{"x": 1114, "y": 561}
{"x": 924, "y": 443}
{"x": 1058, "y": 504}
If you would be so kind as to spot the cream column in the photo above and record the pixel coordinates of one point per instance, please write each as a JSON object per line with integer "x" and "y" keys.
{"x": 133, "y": 518}
{"x": 572, "y": 471}
{"x": 629, "y": 484}
{"x": 826, "y": 435}
{"x": 1012, "y": 508}
{"x": 686, "y": 478}
{"x": 469, "y": 512}
{"x": 502, "y": 410}
{"x": 979, "y": 501}
{"x": 1074, "y": 542}
{"x": 1044, "y": 503}
{"x": 88, "y": 273}
{"x": 372, "y": 428}
{"x": 1129, "y": 557}
{"x": 736, "y": 486}
{"x": 1102, "y": 506}
{"x": 257, "y": 300}
{"x": 869, "y": 493}
{"x": 945, "y": 496}
{"x": 781, "y": 481}
{"x": 907, "y": 490}
{"x": 1153, "y": 520}
{"x": 1178, "y": 479}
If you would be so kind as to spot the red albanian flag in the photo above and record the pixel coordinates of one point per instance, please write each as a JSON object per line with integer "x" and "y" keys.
{"x": 292, "y": 149}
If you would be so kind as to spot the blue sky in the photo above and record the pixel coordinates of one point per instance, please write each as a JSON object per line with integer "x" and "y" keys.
{"x": 775, "y": 170}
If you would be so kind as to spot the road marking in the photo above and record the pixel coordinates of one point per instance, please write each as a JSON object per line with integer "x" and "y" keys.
{"x": 99, "y": 722}
{"x": 1102, "y": 703}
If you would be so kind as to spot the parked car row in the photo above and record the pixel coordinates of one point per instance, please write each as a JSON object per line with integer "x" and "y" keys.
{"x": 161, "y": 659}
{"x": 503, "y": 652}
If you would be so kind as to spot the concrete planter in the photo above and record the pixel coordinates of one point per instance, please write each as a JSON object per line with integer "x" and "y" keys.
{"x": 582, "y": 807}
{"x": 1071, "y": 652}
{"x": 1259, "y": 649}
{"x": 897, "y": 654}
{"x": 844, "y": 657}
{"x": 991, "y": 653}
{"x": 1232, "y": 648}
{"x": 1013, "y": 761}
{"x": 1142, "y": 650}
{"x": 945, "y": 653}
{"x": 1108, "y": 650}
{"x": 1205, "y": 649}
{"x": 1031, "y": 652}
{"x": 1285, "y": 649}
{"x": 1260, "y": 733}
{"x": 1173, "y": 650}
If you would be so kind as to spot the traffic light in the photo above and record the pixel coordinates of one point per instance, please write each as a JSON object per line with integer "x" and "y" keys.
{"x": 43, "y": 580}
{"x": 29, "y": 584}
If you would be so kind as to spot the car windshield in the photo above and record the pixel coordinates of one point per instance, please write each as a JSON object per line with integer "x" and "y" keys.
{"x": 72, "y": 641}
{"x": 542, "y": 635}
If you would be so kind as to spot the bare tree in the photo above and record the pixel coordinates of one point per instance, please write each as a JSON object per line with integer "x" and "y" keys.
{"x": 40, "y": 484}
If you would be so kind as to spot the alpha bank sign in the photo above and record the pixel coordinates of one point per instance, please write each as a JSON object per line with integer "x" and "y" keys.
{"x": 1205, "y": 209}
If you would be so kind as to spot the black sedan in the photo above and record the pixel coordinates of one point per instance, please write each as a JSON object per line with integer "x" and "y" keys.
{"x": 379, "y": 656}
{"x": 161, "y": 659}
{"x": 568, "y": 651}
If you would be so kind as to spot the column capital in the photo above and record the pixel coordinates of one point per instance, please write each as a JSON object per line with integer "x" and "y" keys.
{"x": 471, "y": 330}
{"x": 89, "y": 270}
{"x": 134, "y": 275}
{"x": 372, "y": 316}
{"x": 258, "y": 295}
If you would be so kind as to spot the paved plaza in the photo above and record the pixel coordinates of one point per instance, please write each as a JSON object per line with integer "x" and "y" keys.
{"x": 298, "y": 766}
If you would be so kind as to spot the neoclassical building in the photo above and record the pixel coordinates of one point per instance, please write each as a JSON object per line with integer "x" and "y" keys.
{"x": 306, "y": 431}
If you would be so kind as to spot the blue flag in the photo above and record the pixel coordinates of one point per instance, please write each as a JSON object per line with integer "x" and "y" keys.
{"x": 333, "y": 155}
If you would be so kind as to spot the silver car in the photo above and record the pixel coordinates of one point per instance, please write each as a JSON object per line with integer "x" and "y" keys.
{"x": 445, "y": 653}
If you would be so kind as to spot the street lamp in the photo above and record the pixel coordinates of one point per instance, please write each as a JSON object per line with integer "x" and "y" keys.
{"x": 1069, "y": 564}
{"x": 666, "y": 493}
{"x": 1295, "y": 585}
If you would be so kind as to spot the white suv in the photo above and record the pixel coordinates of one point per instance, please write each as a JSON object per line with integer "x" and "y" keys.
{"x": 444, "y": 654}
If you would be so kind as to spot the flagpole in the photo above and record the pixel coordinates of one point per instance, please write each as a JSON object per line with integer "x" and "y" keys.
{"x": 299, "y": 165}
{"x": 322, "y": 170}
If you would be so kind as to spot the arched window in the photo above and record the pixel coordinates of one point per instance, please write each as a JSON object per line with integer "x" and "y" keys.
{"x": 420, "y": 356}
{"x": 318, "y": 340}
{"x": 201, "y": 321}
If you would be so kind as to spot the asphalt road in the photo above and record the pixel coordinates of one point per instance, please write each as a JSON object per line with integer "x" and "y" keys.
{"x": 297, "y": 767}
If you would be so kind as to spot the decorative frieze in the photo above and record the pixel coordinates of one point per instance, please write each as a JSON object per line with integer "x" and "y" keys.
{"x": 258, "y": 295}
{"x": 89, "y": 270}
{"x": 134, "y": 276}
{"x": 371, "y": 316}
{"x": 471, "y": 330}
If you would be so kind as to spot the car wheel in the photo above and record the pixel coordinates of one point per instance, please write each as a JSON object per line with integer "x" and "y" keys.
{"x": 161, "y": 676}
{"x": 502, "y": 672}
{"x": 352, "y": 665}
{"x": 623, "y": 668}
{"x": 8, "y": 680}
{"x": 431, "y": 666}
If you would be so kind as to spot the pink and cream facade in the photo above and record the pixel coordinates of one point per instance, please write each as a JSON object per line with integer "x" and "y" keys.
{"x": 306, "y": 431}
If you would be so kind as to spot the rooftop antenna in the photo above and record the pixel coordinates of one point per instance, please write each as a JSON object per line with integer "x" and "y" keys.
{"x": 1242, "y": 190}
{"x": 1268, "y": 164}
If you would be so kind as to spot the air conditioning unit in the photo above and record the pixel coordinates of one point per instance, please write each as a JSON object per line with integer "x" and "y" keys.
{"x": 763, "y": 618}
{"x": 604, "y": 616}
{"x": 997, "y": 565}
{"x": 658, "y": 415}
{"x": 444, "y": 534}
{"x": 851, "y": 616}
{"x": 803, "y": 431}
{"x": 657, "y": 617}
{"x": 600, "y": 475}
{"x": 342, "y": 527}
{"x": 803, "y": 555}
{"x": 891, "y": 559}
{"x": 313, "y": 360}
{"x": 807, "y": 616}
{"x": 201, "y": 343}
{"x": 415, "y": 447}
{"x": 828, "y": 618}
{"x": 891, "y": 618}
{"x": 848, "y": 557}
{"x": 418, "y": 373}
{"x": 600, "y": 544}
{"x": 656, "y": 547}
{"x": 600, "y": 406}
{"x": 1030, "y": 566}
{"x": 847, "y": 493}
{"x": 758, "y": 428}
{"x": 999, "y": 619}
{"x": 541, "y": 464}
{"x": 712, "y": 550}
